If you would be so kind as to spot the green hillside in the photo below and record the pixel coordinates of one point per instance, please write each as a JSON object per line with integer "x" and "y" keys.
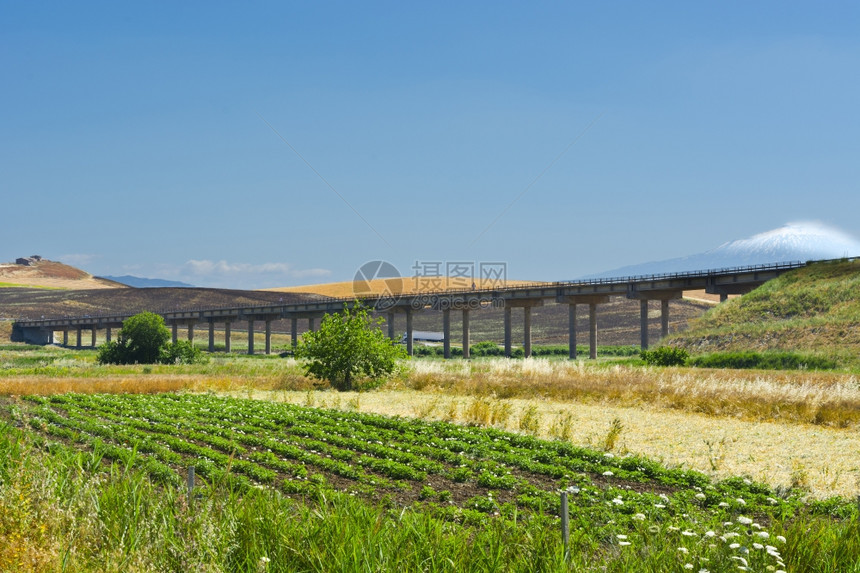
{"x": 814, "y": 309}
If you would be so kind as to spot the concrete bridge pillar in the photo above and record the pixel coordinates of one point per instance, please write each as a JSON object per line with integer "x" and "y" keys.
{"x": 664, "y": 296}
{"x": 508, "y": 331}
{"x": 465, "y": 333}
{"x": 643, "y": 323}
{"x": 190, "y": 332}
{"x": 410, "y": 334}
{"x": 250, "y": 336}
{"x": 175, "y": 332}
{"x": 571, "y": 330}
{"x": 227, "y": 336}
{"x": 664, "y": 318}
{"x": 211, "y": 335}
{"x": 269, "y": 336}
{"x": 592, "y": 300}
{"x": 527, "y": 331}
{"x": 312, "y": 324}
{"x": 66, "y": 337}
{"x": 592, "y": 331}
{"x": 390, "y": 321}
{"x": 724, "y": 297}
{"x": 107, "y": 333}
{"x": 93, "y": 337}
{"x": 78, "y": 345}
{"x": 446, "y": 332}
{"x": 294, "y": 331}
{"x": 526, "y": 305}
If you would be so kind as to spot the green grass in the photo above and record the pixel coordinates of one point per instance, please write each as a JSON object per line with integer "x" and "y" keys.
{"x": 16, "y": 285}
{"x": 814, "y": 309}
{"x": 95, "y": 483}
{"x": 763, "y": 360}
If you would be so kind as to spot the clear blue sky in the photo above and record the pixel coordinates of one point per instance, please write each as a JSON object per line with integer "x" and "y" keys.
{"x": 134, "y": 138}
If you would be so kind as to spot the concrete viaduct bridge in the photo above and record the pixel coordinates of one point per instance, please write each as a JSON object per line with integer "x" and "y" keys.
{"x": 590, "y": 293}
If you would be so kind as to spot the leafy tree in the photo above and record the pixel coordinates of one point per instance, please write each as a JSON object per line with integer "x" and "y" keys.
{"x": 350, "y": 345}
{"x": 143, "y": 339}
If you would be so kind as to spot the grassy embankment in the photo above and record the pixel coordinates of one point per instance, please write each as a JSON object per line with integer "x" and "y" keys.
{"x": 814, "y": 309}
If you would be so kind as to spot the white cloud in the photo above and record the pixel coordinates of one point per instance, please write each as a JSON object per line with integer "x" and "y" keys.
{"x": 245, "y": 273}
{"x": 78, "y": 259}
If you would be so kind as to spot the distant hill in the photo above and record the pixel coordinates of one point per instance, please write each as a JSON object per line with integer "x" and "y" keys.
{"x": 42, "y": 273}
{"x": 140, "y": 282}
{"x": 792, "y": 242}
{"x": 815, "y": 308}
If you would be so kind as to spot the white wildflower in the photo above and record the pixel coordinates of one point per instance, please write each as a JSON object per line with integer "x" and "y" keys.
{"x": 744, "y": 520}
{"x": 639, "y": 516}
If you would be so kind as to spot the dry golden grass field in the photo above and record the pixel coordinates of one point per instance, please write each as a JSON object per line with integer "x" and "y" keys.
{"x": 405, "y": 285}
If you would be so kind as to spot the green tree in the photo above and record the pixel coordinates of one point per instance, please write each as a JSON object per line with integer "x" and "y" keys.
{"x": 143, "y": 339}
{"x": 349, "y": 346}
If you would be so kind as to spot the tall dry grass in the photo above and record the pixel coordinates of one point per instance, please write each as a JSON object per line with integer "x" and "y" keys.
{"x": 823, "y": 398}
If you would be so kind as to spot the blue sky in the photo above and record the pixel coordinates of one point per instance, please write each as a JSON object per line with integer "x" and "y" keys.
{"x": 560, "y": 138}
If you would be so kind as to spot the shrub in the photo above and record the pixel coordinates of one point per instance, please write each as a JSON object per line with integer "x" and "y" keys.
{"x": 180, "y": 352}
{"x": 665, "y": 356}
{"x": 143, "y": 339}
{"x": 347, "y": 346}
{"x": 763, "y": 360}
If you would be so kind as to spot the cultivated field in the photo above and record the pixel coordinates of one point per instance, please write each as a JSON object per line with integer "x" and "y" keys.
{"x": 477, "y": 453}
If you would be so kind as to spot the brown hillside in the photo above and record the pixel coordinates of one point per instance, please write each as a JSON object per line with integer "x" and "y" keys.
{"x": 52, "y": 274}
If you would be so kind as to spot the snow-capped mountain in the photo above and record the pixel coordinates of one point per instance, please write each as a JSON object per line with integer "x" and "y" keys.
{"x": 803, "y": 241}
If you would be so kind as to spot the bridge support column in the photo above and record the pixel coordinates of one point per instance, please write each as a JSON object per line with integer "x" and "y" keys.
{"x": 410, "y": 334}
{"x": 211, "y": 336}
{"x": 446, "y": 332}
{"x": 592, "y": 300}
{"x": 268, "y": 337}
{"x": 251, "y": 336}
{"x": 664, "y": 318}
{"x": 466, "y": 333}
{"x": 227, "y": 336}
{"x": 190, "y": 332}
{"x": 526, "y": 304}
{"x": 312, "y": 324}
{"x": 175, "y": 332}
{"x": 723, "y": 297}
{"x": 508, "y": 331}
{"x": 93, "y": 337}
{"x": 107, "y": 333}
{"x": 390, "y": 321}
{"x": 592, "y": 331}
{"x": 643, "y": 296}
{"x": 571, "y": 330}
{"x": 66, "y": 337}
{"x": 294, "y": 332}
{"x": 78, "y": 342}
{"x": 527, "y": 331}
